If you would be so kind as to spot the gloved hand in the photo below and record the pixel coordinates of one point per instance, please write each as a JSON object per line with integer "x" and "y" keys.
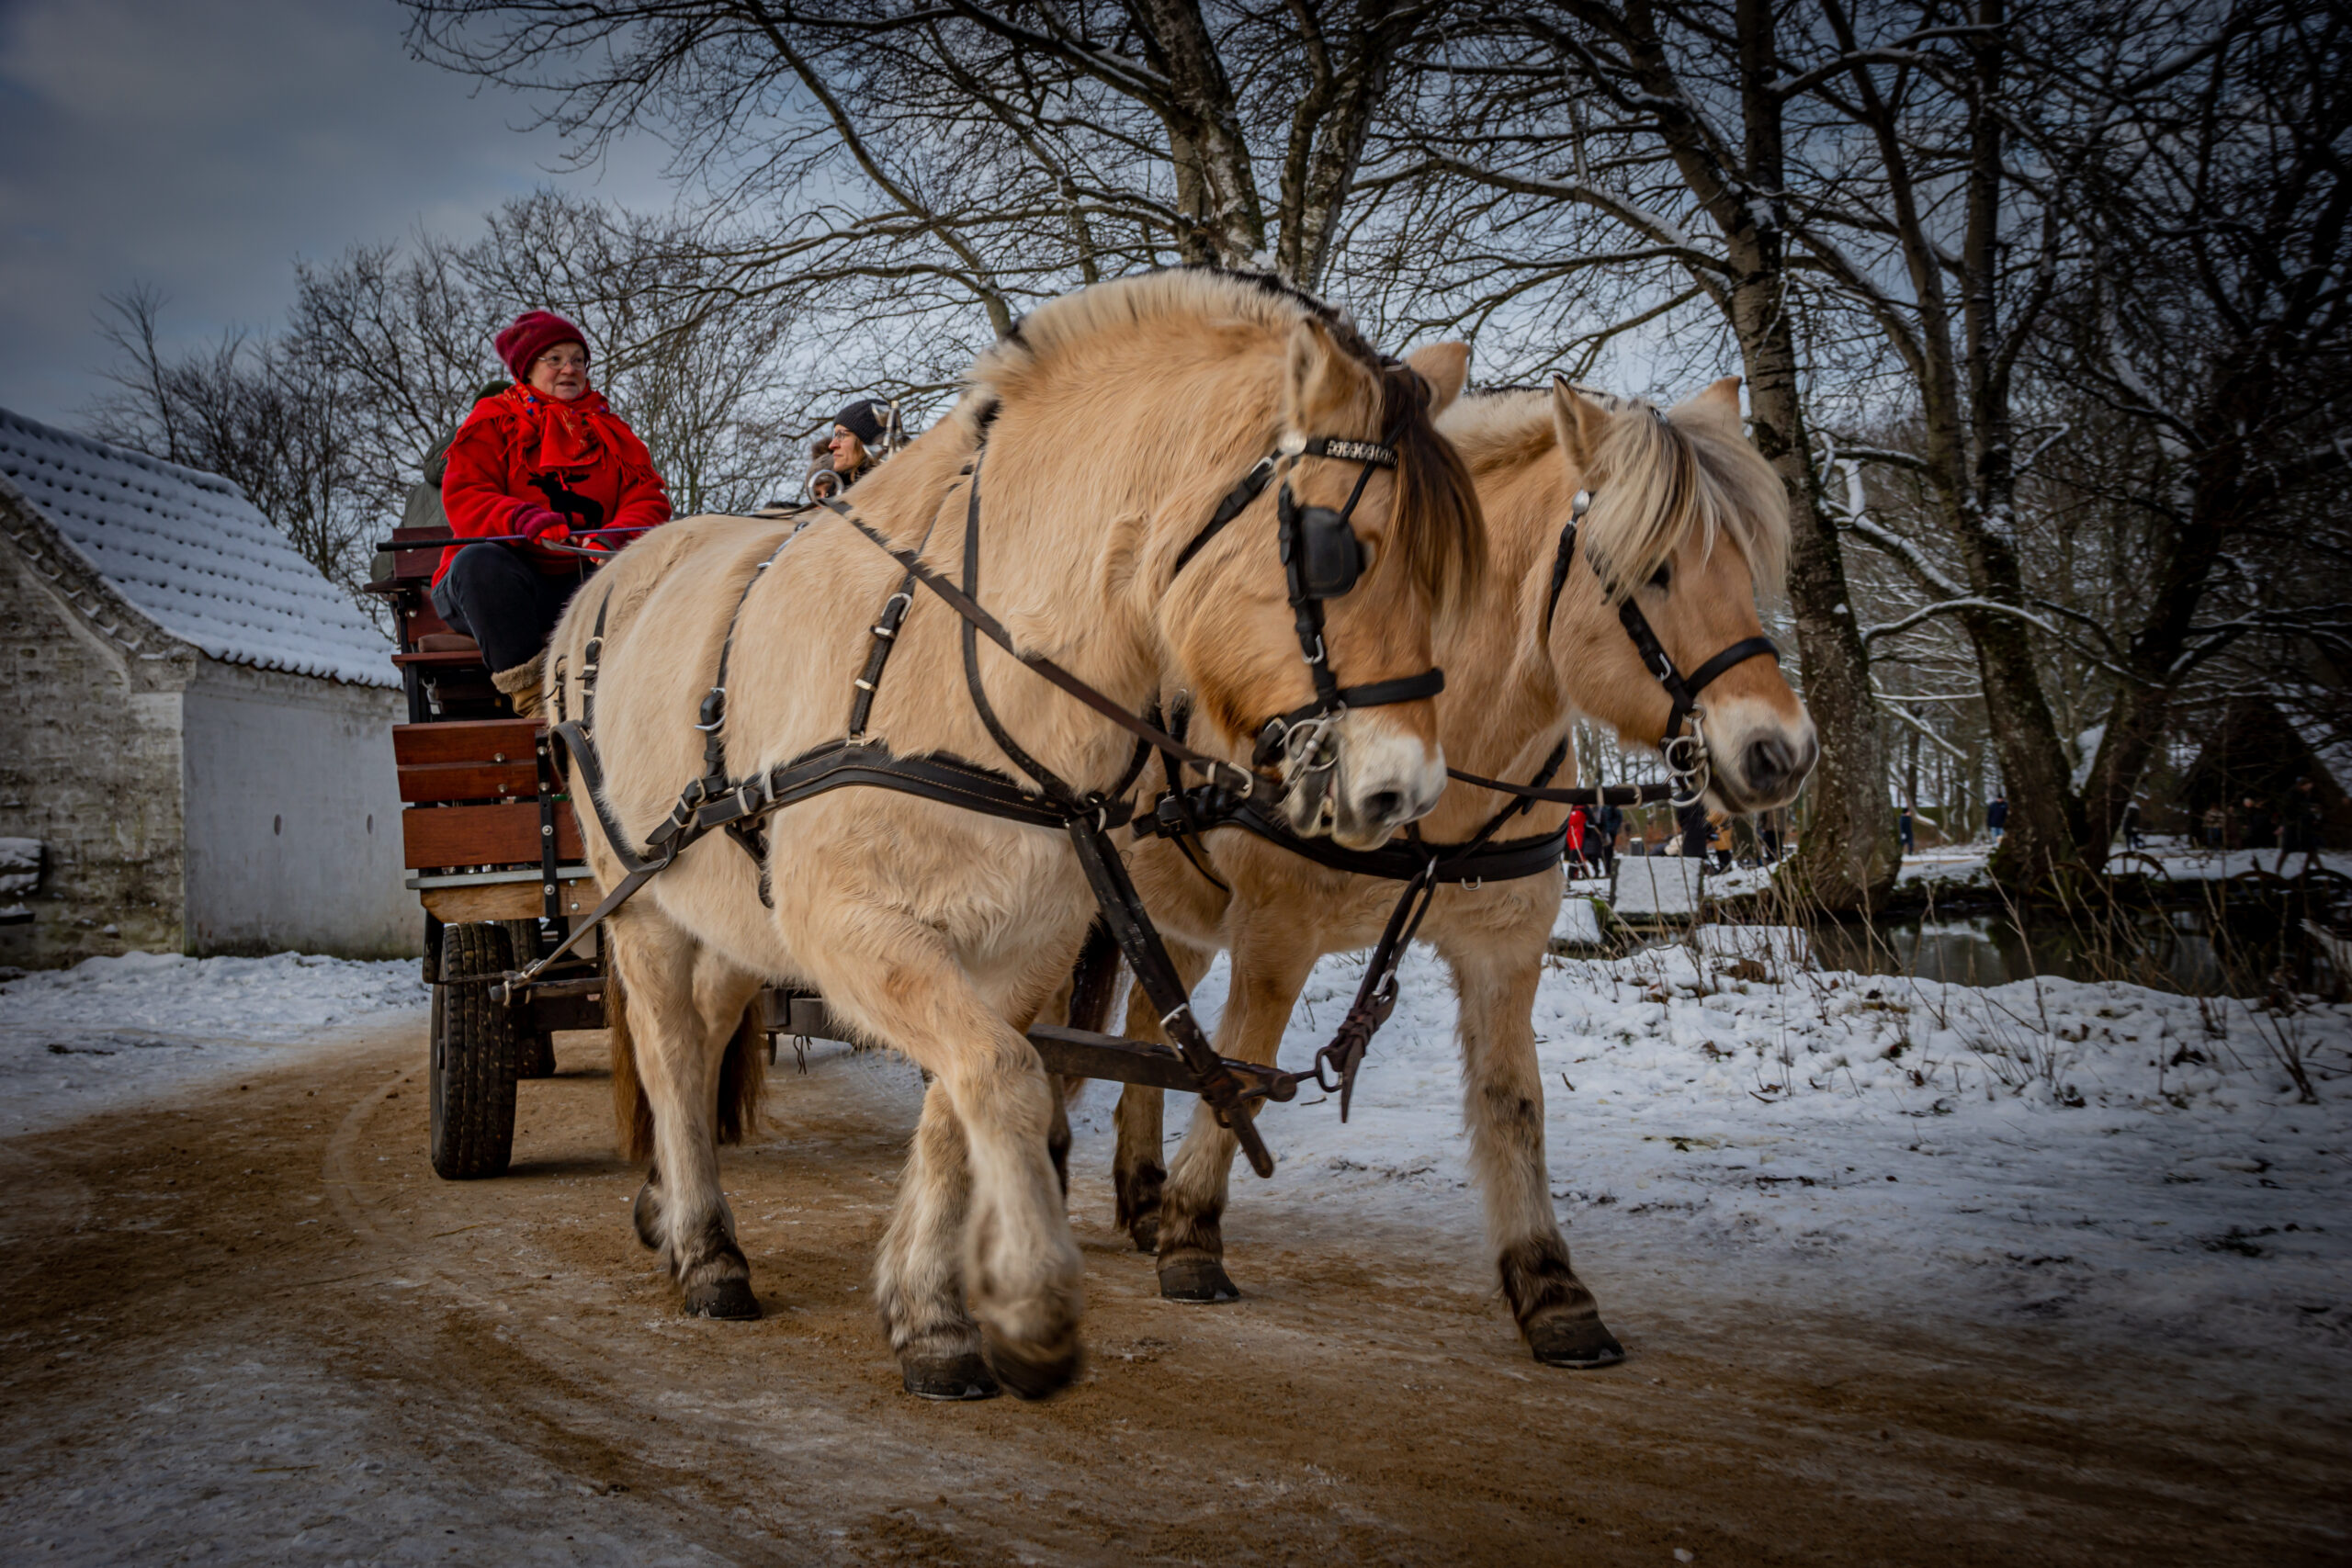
{"x": 537, "y": 522}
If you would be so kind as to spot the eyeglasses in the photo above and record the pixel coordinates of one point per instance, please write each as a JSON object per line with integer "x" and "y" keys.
{"x": 561, "y": 361}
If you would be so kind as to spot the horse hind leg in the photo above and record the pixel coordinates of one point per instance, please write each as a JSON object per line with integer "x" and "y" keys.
{"x": 1138, "y": 1179}
{"x": 1503, "y": 1106}
{"x": 683, "y": 1016}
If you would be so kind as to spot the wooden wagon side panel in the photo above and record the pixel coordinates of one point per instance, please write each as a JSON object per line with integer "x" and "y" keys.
{"x": 483, "y": 835}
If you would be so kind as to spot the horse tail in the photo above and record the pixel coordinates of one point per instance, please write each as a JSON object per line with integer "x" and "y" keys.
{"x": 632, "y": 1114}
{"x": 743, "y": 1078}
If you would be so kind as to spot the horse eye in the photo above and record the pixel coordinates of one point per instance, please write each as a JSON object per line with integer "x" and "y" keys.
{"x": 1661, "y": 578}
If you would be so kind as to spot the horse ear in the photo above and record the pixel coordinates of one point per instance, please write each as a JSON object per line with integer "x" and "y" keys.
{"x": 1719, "y": 403}
{"x": 1581, "y": 422}
{"x": 1324, "y": 385}
{"x": 1445, "y": 367}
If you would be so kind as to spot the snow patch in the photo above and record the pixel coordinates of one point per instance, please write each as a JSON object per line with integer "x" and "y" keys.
{"x": 112, "y": 1030}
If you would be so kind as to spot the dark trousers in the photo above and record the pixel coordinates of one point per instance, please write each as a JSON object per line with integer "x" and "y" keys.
{"x": 494, "y": 597}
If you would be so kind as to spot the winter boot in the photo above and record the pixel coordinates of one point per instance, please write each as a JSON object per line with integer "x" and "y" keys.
{"x": 523, "y": 684}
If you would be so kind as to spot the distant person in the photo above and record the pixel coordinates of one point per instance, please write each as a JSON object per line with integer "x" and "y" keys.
{"x": 540, "y": 459}
{"x": 2261, "y": 827}
{"x": 2217, "y": 826}
{"x": 1576, "y": 840}
{"x": 2299, "y": 825}
{"x": 2131, "y": 825}
{"x": 1609, "y": 823}
{"x": 1903, "y": 830}
{"x": 1996, "y": 818}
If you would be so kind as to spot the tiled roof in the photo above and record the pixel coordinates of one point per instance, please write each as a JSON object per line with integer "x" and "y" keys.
{"x": 192, "y": 554}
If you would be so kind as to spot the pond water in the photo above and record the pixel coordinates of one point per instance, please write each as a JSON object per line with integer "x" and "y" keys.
{"x": 2182, "y": 950}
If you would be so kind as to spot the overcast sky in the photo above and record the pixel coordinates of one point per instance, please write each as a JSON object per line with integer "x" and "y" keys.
{"x": 202, "y": 146}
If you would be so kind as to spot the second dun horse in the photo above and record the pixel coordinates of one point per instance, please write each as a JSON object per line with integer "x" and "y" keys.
{"x": 1686, "y": 519}
{"x": 1099, "y": 438}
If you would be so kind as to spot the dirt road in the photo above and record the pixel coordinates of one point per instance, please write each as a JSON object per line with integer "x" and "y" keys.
{"x": 253, "y": 1326}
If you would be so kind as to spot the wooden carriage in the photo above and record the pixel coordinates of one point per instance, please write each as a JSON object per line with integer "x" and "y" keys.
{"x": 493, "y": 853}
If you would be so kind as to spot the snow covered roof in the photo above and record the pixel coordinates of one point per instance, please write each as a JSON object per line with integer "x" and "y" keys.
{"x": 190, "y": 552}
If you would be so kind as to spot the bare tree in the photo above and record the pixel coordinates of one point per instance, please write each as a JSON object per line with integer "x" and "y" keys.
{"x": 249, "y": 410}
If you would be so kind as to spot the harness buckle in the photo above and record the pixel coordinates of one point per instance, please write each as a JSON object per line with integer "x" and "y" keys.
{"x": 714, "y": 709}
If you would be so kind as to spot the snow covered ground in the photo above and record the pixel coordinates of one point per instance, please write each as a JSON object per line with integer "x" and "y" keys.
{"x": 109, "y": 1030}
{"x": 2046, "y": 1148}
{"x": 1963, "y": 864}
{"x": 2093, "y": 1152}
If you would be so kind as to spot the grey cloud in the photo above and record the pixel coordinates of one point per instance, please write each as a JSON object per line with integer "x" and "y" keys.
{"x": 202, "y": 147}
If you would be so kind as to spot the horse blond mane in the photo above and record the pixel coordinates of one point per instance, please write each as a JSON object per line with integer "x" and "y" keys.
{"x": 1665, "y": 479}
{"x": 1438, "y": 528}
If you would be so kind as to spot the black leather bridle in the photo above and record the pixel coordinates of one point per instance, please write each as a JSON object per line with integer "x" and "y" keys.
{"x": 1322, "y": 560}
{"x": 1686, "y": 755}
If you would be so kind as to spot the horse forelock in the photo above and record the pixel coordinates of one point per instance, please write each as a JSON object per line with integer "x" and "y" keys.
{"x": 1667, "y": 480}
{"x": 1437, "y": 526}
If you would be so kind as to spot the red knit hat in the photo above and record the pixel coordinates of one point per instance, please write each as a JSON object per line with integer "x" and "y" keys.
{"x": 533, "y": 333}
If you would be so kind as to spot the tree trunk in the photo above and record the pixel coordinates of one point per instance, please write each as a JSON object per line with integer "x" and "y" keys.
{"x": 1849, "y": 857}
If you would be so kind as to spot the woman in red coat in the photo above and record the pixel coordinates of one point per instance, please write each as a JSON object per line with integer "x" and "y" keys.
{"x": 543, "y": 457}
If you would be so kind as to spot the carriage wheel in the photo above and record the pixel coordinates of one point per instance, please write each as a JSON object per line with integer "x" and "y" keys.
{"x": 475, "y": 1051}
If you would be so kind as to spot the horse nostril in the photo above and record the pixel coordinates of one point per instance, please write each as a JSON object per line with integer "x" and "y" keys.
{"x": 1385, "y": 805}
{"x": 1769, "y": 764}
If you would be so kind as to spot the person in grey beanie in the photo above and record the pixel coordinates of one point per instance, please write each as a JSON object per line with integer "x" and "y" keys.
{"x": 849, "y": 454}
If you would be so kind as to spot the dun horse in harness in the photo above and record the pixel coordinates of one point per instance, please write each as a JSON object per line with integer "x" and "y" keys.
{"x": 1626, "y": 548}
{"x": 938, "y": 905}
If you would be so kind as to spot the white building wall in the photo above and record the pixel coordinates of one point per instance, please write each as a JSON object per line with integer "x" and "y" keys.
{"x": 293, "y": 816}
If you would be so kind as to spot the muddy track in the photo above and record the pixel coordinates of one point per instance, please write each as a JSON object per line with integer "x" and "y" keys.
{"x": 252, "y": 1325}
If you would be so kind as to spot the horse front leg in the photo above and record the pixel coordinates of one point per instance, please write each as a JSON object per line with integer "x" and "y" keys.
{"x": 919, "y": 1273}
{"x": 893, "y": 979}
{"x": 1137, "y": 1177}
{"x": 682, "y": 1009}
{"x": 1502, "y": 1104}
{"x": 1270, "y": 967}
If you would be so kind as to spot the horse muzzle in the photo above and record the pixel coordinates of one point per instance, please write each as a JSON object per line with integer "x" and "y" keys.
{"x": 1357, "y": 780}
{"x": 1762, "y": 763}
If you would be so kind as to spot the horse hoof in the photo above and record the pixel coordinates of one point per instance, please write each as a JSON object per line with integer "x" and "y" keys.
{"x": 1580, "y": 1342}
{"x": 949, "y": 1377}
{"x": 729, "y": 1299}
{"x": 1202, "y": 1279}
{"x": 1035, "y": 1376}
{"x": 1145, "y": 1231}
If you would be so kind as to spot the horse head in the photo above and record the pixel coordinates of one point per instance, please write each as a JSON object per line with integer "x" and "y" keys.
{"x": 1682, "y": 522}
{"x": 1301, "y": 626}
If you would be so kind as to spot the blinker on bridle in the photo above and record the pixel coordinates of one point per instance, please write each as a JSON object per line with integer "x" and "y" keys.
{"x": 1322, "y": 560}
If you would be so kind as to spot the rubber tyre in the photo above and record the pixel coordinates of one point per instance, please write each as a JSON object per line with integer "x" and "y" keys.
{"x": 536, "y": 1053}
{"x": 476, "y": 1052}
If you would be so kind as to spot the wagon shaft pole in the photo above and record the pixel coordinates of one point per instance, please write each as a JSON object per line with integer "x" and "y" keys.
{"x": 1123, "y": 911}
